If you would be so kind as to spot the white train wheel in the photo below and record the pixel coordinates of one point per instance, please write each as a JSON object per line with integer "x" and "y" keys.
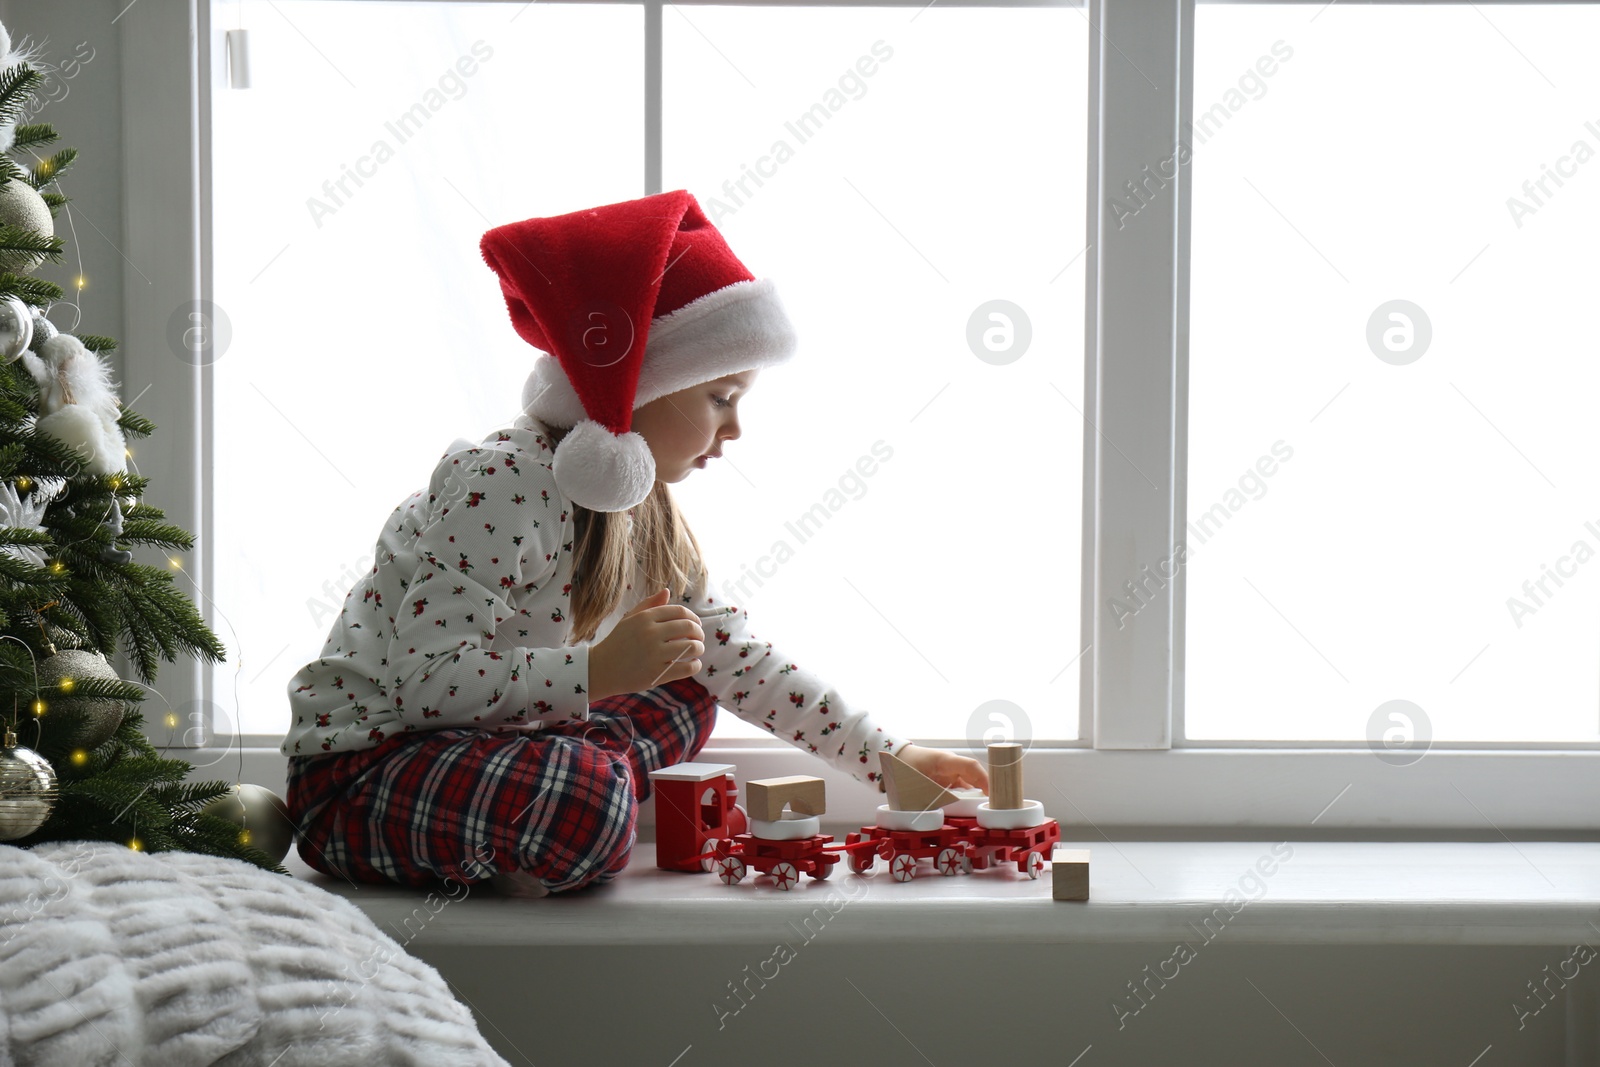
{"x": 1035, "y": 864}
{"x": 903, "y": 866}
{"x": 947, "y": 861}
{"x": 731, "y": 870}
{"x": 785, "y": 874}
{"x": 708, "y": 858}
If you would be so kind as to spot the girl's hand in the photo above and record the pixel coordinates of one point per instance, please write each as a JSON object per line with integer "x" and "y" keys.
{"x": 651, "y": 645}
{"x": 946, "y": 768}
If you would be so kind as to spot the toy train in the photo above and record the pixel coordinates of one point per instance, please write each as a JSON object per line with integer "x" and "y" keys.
{"x": 701, "y": 827}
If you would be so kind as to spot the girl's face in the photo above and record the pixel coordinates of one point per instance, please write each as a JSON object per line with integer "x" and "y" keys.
{"x": 686, "y": 429}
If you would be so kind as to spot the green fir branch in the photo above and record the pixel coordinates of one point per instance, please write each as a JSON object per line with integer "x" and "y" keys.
{"x": 31, "y": 134}
{"x": 17, "y": 241}
{"x": 48, "y": 170}
{"x": 30, "y": 290}
{"x": 17, "y": 86}
{"x": 144, "y": 532}
{"x": 192, "y": 796}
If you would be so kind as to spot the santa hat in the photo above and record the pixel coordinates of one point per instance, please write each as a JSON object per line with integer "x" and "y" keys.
{"x": 628, "y": 302}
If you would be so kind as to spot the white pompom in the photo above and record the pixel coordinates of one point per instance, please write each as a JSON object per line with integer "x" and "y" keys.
{"x": 604, "y": 471}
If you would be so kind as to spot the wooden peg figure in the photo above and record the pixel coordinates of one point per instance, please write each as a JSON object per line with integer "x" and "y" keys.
{"x": 1005, "y": 775}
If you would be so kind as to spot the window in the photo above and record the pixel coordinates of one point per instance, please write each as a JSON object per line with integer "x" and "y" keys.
{"x": 879, "y": 549}
{"x": 1229, "y": 297}
{"x": 1391, "y": 491}
{"x": 351, "y": 186}
{"x": 940, "y": 348}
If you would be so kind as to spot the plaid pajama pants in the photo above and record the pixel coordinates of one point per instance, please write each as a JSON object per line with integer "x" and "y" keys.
{"x": 465, "y": 804}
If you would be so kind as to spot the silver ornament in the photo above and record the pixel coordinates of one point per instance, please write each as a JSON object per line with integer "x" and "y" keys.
{"x": 16, "y": 328}
{"x": 90, "y": 720}
{"x": 28, "y": 790}
{"x": 43, "y": 329}
{"x": 262, "y": 817}
{"x": 22, "y": 206}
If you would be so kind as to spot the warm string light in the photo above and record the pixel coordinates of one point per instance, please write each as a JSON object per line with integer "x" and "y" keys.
{"x": 38, "y": 705}
{"x": 39, "y": 619}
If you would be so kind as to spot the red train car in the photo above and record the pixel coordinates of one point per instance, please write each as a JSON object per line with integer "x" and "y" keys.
{"x": 785, "y": 849}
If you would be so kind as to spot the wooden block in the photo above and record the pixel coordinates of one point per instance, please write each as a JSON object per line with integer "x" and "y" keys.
{"x": 909, "y": 789}
{"x": 1069, "y": 874}
{"x": 764, "y": 798}
{"x": 1005, "y": 775}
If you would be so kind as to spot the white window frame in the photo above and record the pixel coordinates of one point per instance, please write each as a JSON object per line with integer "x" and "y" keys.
{"x": 1128, "y": 773}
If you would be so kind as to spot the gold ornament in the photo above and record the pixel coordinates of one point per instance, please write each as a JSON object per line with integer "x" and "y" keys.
{"x": 22, "y": 206}
{"x": 93, "y": 719}
{"x": 262, "y": 817}
{"x": 28, "y": 789}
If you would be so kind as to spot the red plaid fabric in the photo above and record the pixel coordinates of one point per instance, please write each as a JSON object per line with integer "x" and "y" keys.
{"x": 465, "y": 804}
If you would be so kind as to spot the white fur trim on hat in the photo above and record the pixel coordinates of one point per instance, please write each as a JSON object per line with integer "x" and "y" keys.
{"x": 740, "y": 327}
{"x": 548, "y": 394}
{"x": 601, "y": 470}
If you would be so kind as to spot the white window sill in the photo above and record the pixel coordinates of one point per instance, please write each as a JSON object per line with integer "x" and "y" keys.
{"x": 1327, "y": 892}
{"x": 1266, "y": 793}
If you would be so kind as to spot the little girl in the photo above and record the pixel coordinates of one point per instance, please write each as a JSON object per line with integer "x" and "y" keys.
{"x": 538, "y": 631}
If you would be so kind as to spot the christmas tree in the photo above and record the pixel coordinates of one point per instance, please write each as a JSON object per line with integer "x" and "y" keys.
{"x": 68, "y": 593}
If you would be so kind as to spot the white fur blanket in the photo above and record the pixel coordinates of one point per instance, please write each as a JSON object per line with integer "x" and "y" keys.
{"x": 115, "y": 957}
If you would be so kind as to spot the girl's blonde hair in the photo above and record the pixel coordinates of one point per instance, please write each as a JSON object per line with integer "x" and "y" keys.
{"x": 603, "y": 558}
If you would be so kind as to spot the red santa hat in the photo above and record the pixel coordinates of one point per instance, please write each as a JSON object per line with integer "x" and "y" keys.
{"x": 627, "y": 302}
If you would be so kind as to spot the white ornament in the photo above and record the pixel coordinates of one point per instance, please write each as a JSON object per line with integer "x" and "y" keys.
{"x": 78, "y": 406}
{"x": 21, "y": 206}
{"x": 78, "y": 402}
{"x": 25, "y": 513}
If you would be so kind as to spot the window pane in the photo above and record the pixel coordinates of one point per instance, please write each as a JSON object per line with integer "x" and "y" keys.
{"x": 367, "y": 332}
{"x": 1392, "y": 381}
{"x": 901, "y": 174}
